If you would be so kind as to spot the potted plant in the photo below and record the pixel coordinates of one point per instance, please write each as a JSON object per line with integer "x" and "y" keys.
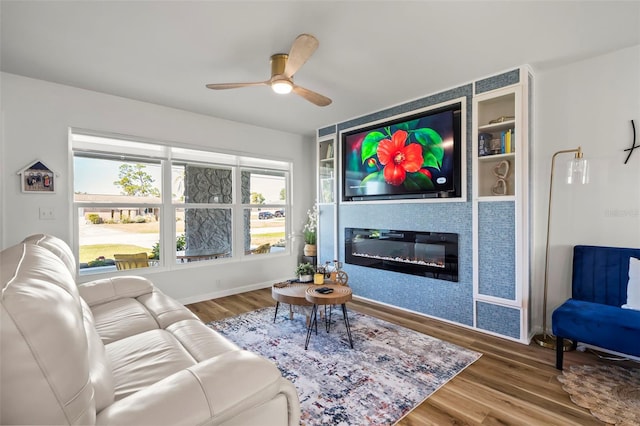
{"x": 305, "y": 272}
{"x": 309, "y": 232}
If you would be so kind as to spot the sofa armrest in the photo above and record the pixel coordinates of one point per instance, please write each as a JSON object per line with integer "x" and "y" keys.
{"x": 109, "y": 289}
{"x": 210, "y": 392}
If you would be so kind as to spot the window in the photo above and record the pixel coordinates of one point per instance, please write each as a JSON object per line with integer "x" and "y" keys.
{"x": 203, "y": 204}
{"x": 134, "y": 198}
{"x": 264, "y": 210}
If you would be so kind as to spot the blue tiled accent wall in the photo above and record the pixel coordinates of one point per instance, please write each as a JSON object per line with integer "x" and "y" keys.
{"x": 330, "y": 130}
{"x": 499, "y": 319}
{"x": 497, "y": 81}
{"x": 327, "y": 226}
{"x": 496, "y": 251}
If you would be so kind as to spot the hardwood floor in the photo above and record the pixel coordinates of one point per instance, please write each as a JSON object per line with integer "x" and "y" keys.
{"x": 510, "y": 384}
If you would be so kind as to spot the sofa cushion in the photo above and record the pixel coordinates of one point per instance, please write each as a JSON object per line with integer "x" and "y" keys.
{"x": 199, "y": 340}
{"x": 597, "y": 324}
{"x": 210, "y": 393}
{"x": 601, "y": 274}
{"x": 127, "y": 305}
{"x": 633, "y": 287}
{"x": 45, "y": 367}
{"x": 144, "y": 359}
{"x": 100, "y": 368}
{"x": 165, "y": 310}
{"x": 56, "y": 246}
{"x": 122, "y": 318}
{"x": 108, "y": 289}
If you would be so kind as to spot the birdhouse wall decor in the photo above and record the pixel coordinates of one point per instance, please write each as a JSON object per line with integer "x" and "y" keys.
{"x": 37, "y": 178}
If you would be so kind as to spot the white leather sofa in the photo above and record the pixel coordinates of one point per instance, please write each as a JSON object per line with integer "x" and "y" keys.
{"x": 118, "y": 351}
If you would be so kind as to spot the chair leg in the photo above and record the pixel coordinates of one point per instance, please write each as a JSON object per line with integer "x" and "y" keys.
{"x": 559, "y": 352}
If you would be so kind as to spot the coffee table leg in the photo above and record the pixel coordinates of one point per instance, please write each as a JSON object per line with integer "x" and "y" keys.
{"x": 327, "y": 318}
{"x": 314, "y": 313}
{"x": 276, "y": 314}
{"x": 346, "y": 323}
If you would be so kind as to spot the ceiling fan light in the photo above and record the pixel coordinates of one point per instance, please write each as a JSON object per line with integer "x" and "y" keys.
{"x": 282, "y": 87}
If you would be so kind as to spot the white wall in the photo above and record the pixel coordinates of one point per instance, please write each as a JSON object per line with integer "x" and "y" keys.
{"x": 37, "y": 117}
{"x": 590, "y": 104}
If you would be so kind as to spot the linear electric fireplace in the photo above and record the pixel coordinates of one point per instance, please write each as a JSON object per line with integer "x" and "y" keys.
{"x": 428, "y": 254}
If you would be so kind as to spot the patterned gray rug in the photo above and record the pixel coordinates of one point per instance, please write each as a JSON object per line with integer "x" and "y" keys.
{"x": 390, "y": 371}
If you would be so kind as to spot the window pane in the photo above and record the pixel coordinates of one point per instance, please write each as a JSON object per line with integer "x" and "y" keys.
{"x": 106, "y": 235}
{"x": 204, "y": 185}
{"x": 207, "y": 234}
{"x": 108, "y": 180}
{"x": 264, "y": 231}
{"x": 263, "y": 187}
{"x": 177, "y": 183}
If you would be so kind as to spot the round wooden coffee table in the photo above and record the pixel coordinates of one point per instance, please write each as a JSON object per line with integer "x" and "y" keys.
{"x": 340, "y": 296}
{"x": 291, "y": 293}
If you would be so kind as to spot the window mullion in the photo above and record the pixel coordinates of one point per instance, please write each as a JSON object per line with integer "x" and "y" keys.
{"x": 168, "y": 219}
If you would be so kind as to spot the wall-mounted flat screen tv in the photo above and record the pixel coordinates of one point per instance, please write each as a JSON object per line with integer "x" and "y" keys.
{"x": 417, "y": 156}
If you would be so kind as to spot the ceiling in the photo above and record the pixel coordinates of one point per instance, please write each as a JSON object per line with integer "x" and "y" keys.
{"x": 372, "y": 54}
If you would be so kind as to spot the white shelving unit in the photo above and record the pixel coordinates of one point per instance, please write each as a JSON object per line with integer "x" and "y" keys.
{"x": 501, "y": 202}
{"x": 326, "y": 171}
{"x": 327, "y": 190}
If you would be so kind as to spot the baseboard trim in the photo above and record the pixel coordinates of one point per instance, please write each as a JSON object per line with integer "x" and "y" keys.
{"x": 230, "y": 291}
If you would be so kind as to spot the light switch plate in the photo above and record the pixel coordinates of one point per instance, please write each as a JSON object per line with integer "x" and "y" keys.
{"x": 47, "y": 213}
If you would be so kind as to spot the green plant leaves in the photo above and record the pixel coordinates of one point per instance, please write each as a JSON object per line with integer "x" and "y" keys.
{"x": 370, "y": 145}
{"x": 415, "y": 181}
{"x": 431, "y": 142}
{"x": 373, "y": 177}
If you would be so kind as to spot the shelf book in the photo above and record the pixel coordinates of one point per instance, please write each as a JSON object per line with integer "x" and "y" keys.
{"x": 329, "y": 155}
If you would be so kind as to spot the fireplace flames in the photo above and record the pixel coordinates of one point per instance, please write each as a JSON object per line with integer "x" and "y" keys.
{"x": 415, "y": 261}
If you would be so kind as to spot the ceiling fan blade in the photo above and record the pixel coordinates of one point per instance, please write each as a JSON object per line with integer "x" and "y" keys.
{"x": 301, "y": 50}
{"x": 222, "y": 86}
{"x": 311, "y": 96}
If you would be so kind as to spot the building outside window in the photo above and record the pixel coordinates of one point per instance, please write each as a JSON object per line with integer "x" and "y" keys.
{"x": 133, "y": 198}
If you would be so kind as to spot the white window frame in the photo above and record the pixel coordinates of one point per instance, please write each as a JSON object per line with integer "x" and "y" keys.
{"x": 113, "y": 146}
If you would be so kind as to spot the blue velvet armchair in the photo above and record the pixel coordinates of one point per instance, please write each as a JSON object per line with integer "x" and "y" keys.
{"x": 594, "y": 315}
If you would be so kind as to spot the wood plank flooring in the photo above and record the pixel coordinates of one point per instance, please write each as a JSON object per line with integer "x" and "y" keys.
{"x": 511, "y": 384}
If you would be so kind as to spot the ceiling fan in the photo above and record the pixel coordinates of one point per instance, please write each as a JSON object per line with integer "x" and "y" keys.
{"x": 283, "y": 67}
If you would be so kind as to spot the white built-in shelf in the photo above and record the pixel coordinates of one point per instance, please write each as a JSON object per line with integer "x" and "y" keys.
{"x": 494, "y": 198}
{"x": 497, "y": 126}
{"x": 497, "y": 157}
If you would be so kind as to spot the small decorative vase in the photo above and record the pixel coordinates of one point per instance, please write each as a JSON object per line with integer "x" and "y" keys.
{"x": 310, "y": 250}
{"x": 305, "y": 278}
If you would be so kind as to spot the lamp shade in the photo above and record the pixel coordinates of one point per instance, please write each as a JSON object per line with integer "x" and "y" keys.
{"x": 578, "y": 171}
{"x": 282, "y": 87}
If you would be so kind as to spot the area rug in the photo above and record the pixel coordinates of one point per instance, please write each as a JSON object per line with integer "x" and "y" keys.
{"x": 610, "y": 392}
{"x": 390, "y": 371}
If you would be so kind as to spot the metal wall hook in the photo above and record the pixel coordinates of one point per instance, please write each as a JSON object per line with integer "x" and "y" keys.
{"x": 633, "y": 143}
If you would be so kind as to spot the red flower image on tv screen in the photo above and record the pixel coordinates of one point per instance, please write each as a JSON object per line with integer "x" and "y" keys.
{"x": 398, "y": 158}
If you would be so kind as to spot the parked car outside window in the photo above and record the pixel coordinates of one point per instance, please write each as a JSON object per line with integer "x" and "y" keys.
{"x": 265, "y": 215}
{"x": 279, "y": 213}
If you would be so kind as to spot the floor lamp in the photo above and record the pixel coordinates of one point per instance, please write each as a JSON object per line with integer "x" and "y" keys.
{"x": 577, "y": 172}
